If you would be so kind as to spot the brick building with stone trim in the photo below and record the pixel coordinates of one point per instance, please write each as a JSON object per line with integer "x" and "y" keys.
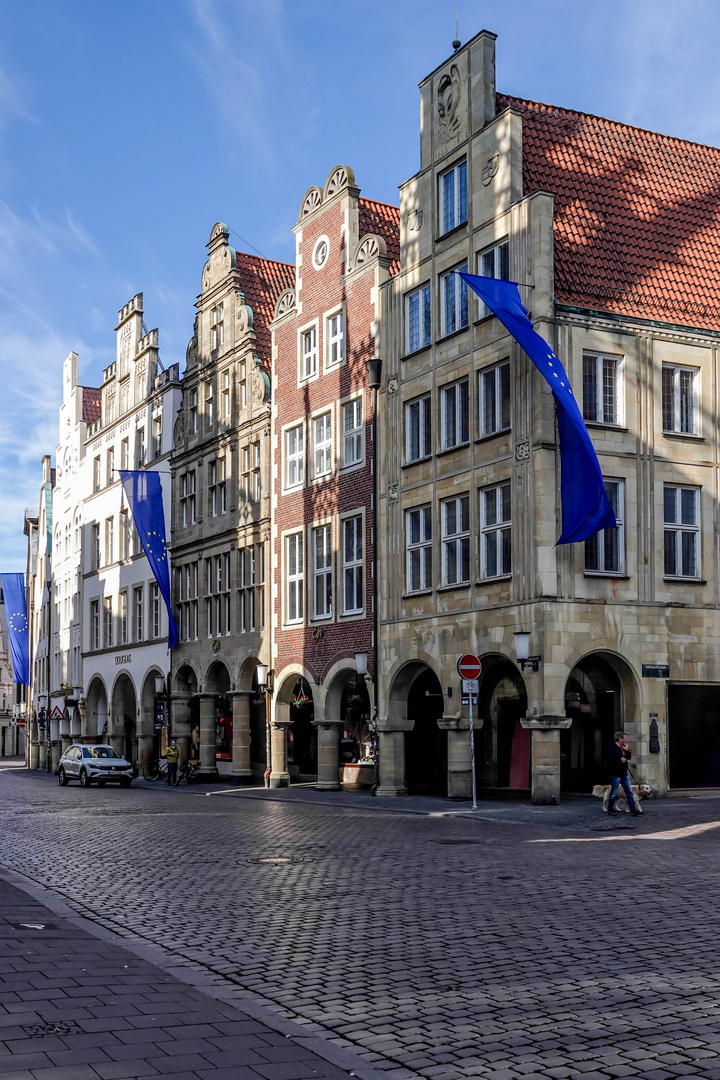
{"x": 322, "y": 512}
{"x": 221, "y": 515}
{"x": 613, "y": 234}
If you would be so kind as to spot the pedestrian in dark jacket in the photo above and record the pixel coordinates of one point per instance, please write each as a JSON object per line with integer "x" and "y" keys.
{"x": 616, "y": 763}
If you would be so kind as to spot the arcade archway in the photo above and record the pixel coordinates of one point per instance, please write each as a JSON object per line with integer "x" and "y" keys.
{"x": 600, "y": 696}
{"x": 503, "y": 744}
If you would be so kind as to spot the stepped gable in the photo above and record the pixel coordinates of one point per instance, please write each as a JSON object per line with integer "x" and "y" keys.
{"x": 91, "y": 404}
{"x": 381, "y": 219}
{"x": 637, "y": 214}
{"x": 262, "y": 281}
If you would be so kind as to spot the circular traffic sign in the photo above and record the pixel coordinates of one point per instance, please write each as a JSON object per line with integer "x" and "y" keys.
{"x": 469, "y": 667}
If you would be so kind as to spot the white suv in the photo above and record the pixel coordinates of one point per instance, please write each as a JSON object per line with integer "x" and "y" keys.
{"x": 94, "y": 763}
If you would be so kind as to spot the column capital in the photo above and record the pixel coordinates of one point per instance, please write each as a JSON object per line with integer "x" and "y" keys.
{"x": 546, "y": 723}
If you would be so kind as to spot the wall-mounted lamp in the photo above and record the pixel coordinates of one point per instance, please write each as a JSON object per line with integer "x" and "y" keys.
{"x": 373, "y": 369}
{"x": 159, "y": 686}
{"x": 265, "y": 678}
{"x": 522, "y": 649}
{"x": 361, "y": 666}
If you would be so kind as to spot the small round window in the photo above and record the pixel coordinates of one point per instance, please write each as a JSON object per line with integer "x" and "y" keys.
{"x": 321, "y": 252}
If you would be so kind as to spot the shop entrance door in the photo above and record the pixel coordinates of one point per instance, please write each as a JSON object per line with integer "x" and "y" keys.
{"x": 693, "y": 735}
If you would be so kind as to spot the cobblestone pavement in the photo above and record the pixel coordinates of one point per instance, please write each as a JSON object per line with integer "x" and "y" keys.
{"x": 524, "y": 942}
{"x": 73, "y": 1007}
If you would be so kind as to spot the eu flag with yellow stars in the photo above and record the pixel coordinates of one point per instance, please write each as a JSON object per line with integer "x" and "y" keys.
{"x": 144, "y": 494}
{"x": 585, "y": 505}
{"x": 13, "y": 587}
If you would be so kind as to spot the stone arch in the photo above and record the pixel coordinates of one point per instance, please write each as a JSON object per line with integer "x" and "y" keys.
{"x": 416, "y": 705}
{"x": 311, "y": 201}
{"x": 400, "y": 683}
{"x": 186, "y": 680}
{"x": 369, "y": 247}
{"x": 97, "y": 707}
{"x": 123, "y": 717}
{"x": 246, "y": 679}
{"x": 602, "y": 695}
{"x": 502, "y": 757}
{"x": 340, "y": 177}
{"x": 217, "y": 678}
{"x": 286, "y": 304}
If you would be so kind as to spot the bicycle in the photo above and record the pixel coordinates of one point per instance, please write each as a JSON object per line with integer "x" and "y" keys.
{"x": 188, "y": 771}
{"x": 155, "y": 769}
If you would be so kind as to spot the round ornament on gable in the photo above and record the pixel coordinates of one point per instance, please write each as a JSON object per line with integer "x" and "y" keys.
{"x": 321, "y": 252}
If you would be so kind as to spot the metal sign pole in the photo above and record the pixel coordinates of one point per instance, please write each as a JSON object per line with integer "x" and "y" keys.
{"x": 472, "y": 755}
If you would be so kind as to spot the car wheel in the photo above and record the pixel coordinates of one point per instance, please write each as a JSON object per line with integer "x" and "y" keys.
{"x": 85, "y": 780}
{"x": 62, "y": 778}
{"x": 125, "y": 782}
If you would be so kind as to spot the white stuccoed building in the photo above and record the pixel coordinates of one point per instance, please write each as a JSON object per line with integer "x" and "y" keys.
{"x": 124, "y": 621}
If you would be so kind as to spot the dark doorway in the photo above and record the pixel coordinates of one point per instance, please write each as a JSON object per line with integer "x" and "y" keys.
{"x": 502, "y": 744}
{"x": 426, "y": 744}
{"x": 594, "y": 701}
{"x": 302, "y": 734}
{"x": 693, "y": 735}
{"x": 130, "y": 748}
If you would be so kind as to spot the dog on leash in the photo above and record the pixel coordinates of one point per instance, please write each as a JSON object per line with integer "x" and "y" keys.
{"x": 640, "y": 791}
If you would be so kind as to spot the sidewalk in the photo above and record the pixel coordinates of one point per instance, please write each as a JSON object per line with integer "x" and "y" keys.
{"x": 78, "y": 1004}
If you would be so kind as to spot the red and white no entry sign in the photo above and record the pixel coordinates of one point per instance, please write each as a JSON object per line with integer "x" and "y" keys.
{"x": 469, "y": 667}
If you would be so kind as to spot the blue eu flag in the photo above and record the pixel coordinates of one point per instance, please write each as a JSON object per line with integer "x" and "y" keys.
{"x": 13, "y": 587}
{"x": 144, "y": 494}
{"x": 585, "y": 506}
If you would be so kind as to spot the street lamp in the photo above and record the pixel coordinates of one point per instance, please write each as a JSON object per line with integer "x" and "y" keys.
{"x": 361, "y": 663}
{"x": 265, "y": 680}
{"x": 522, "y": 651}
{"x": 159, "y": 686}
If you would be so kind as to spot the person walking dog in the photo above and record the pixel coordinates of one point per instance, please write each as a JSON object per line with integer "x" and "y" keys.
{"x": 616, "y": 763}
{"x": 172, "y": 754}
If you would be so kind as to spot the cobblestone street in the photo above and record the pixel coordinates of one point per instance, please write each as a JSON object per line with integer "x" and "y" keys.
{"x": 524, "y": 942}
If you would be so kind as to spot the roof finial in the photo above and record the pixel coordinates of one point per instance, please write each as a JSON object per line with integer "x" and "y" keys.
{"x": 457, "y": 42}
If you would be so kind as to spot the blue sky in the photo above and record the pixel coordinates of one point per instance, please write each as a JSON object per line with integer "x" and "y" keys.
{"x": 127, "y": 128}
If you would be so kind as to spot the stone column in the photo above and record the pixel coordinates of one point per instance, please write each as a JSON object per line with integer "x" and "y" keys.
{"x": 208, "y": 770}
{"x": 391, "y": 755}
{"x": 459, "y": 778}
{"x": 279, "y": 777}
{"x": 42, "y": 746}
{"x": 180, "y": 723}
{"x": 34, "y": 761}
{"x": 545, "y": 756}
{"x": 328, "y": 736}
{"x": 241, "y": 772}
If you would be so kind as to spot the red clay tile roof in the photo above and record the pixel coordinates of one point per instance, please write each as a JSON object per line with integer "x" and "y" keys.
{"x": 637, "y": 214}
{"x": 91, "y": 404}
{"x": 262, "y": 281}
{"x": 381, "y": 220}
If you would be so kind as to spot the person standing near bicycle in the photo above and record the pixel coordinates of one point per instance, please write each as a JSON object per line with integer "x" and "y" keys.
{"x": 172, "y": 755}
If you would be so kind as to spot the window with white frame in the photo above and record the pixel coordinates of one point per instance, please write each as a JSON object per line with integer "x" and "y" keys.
{"x": 454, "y": 414}
{"x": 111, "y": 465}
{"x": 256, "y": 479}
{"x": 322, "y": 440}
{"x": 455, "y": 526}
{"x": 225, "y": 393}
{"x": 188, "y": 593}
{"x": 123, "y": 618}
{"x": 605, "y": 551}
{"x": 294, "y": 578}
{"x": 125, "y": 454}
{"x": 96, "y": 474}
{"x": 322, "y": 572}
{"x": 138, "y": 614}
{"x": 418, "y": 319}
{"x": 217, "y": 487}
{"x": 453, "y": 197}
{"x": 494, "y": 262}
{"x": 125, "y": 534}
{"x": 680, "y": 399}
{"x": 108, "y": 636}
{"x": 95, "y": 545}
{"x": 418, "y": 443}
{"x": 194, "y": 412}
{"x": 601, "y": 388}
{"x": 217, "y": 326}
{"x": 495, "y": 531}
{"x": 682, "y": 531}
{"x": 352, "y": 432}
{"x": 209, "y": 405}
{"x": 294, "y": 457}
{"x": 353, "y": 599}
{"x": 494, "y": 399}
{"x": 251, "y": 591}
{"x": 243, "y": 384}
{"x": 157, "y": 434}
{"x": 309, "y": 347}
{"x": 453, "y": 301}
{"x": 418, "y": 549}
{"x": 95, "y": 625}
{"x": 187, "y": 498}
{"x": 335, "y": 331}
{"x": 140, "y": 446}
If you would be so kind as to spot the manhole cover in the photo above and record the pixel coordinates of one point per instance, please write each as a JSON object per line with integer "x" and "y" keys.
{"x": 455, "y": 843}
{"x": 59, "y": 1027}
{"x": 276, "y": 860}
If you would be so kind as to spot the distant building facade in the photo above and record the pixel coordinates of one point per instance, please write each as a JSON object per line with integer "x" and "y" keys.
{"x": 221, "y": 515}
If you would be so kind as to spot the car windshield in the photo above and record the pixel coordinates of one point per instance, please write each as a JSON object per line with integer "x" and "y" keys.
{"x": 104, "y": 751}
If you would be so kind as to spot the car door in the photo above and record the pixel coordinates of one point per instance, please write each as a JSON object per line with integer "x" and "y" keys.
{"x": 69, "y": 762}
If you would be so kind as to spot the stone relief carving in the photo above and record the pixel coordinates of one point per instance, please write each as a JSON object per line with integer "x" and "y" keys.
{"x": 415, "y": 220}
{"x": 179, "y": 431}
{"x": 191, "y": 353}
{"x": 370, "y": 247}
{"x": 522, "y": 451}
{"x": 285, "y": 304}
{"x": 338, "y": 180}
{"x": 206, "y": 277}
{"x": 311, "y": 202}
{"x": 259, "y": 385}
{"x": 392, "y": 386}
{"x": 393, "y": 491}
{"x": 490, "y": 169}
{"x": 452, "y": 117}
